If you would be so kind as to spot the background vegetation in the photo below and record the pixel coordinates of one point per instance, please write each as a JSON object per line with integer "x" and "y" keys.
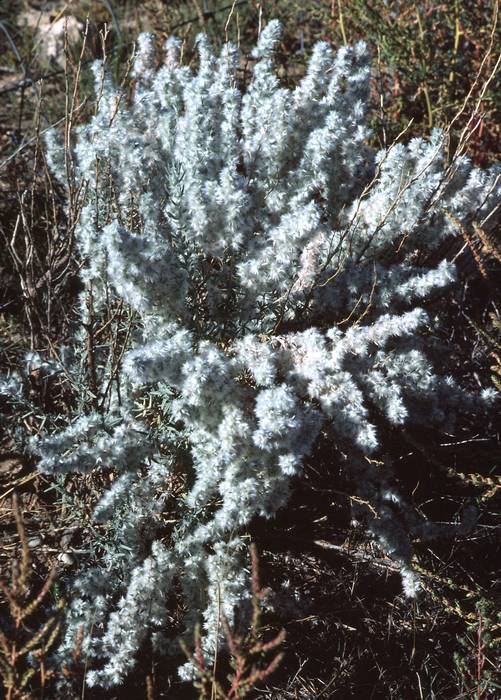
{"x": 354, "y": 636}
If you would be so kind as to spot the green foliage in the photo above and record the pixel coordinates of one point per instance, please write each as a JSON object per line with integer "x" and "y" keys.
{"x": 480, "y": 647}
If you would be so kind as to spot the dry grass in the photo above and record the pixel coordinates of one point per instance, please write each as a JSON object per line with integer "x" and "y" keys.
{"x": 25, "y": 641}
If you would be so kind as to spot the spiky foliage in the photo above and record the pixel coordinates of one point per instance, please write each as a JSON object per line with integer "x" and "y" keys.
{"x": 278, "y": 272}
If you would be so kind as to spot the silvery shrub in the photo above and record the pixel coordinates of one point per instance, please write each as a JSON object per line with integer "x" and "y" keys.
{"x": 279, "y": 272}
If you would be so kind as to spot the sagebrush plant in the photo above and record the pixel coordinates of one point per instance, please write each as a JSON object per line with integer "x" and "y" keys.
{"x": 277, "y": 270}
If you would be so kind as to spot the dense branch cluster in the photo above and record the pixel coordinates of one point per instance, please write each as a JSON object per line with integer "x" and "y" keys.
{"x": 279, "y": 269}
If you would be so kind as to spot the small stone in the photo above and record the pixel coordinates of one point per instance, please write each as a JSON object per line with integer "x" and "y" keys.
{"x": 34, "y": 542}
{"x": 66, "y": 559}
